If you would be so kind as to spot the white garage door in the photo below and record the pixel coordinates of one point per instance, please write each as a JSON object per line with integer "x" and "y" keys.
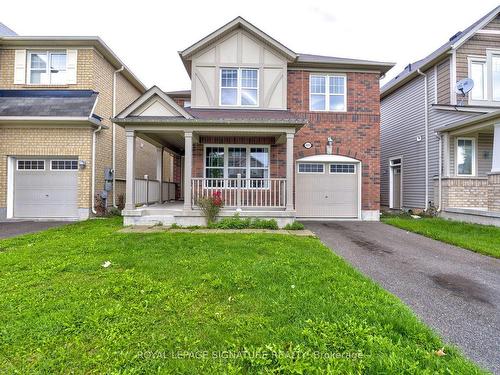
{"x": 327, "y": 190}
{"x": 45, "y": 188}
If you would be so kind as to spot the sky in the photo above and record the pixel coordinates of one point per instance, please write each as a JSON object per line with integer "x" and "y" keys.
{"x": 147, "y": 34}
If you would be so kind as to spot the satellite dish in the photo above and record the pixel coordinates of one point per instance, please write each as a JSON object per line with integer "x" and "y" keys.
{"x": 464, "y": 86}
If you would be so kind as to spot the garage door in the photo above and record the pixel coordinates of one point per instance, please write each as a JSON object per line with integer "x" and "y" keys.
{"x": 45, "y": 188}
{"x": 327, "y": 190}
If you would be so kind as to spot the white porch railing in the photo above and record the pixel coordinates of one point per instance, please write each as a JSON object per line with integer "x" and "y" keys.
{"x": 148, "y": 191}
{"x": 242, "y": 192}
{"x": 168, "y": 191}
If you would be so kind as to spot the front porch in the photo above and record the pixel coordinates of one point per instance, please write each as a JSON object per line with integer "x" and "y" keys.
{"x": 468, "y": 189}
{"x": 250, "y": 165}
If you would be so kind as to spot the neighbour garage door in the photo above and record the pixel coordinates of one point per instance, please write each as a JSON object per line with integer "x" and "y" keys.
{"x": 45, "y": 188}
{"x": 327, "y": 190}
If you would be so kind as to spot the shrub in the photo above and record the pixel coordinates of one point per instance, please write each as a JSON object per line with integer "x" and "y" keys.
{"x": 120, "y": 202}
{"x": 211, "y": 206}
{"x": 294, "y": 226}
{"x": 235, "y": 222}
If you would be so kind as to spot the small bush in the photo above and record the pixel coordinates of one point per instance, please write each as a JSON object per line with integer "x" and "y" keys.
{"x": 235, "y": 222}
{"x": 120, "y": 202}
{"x": 175, "y": 226}
{"x": 264, "y": 224}
{"x": 294, "y": 226}
{"x": 113, "y": 211}
{"x": 211, "y": 206}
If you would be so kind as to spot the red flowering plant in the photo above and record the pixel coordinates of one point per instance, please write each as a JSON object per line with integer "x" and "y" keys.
{"x": 211, "y": 206}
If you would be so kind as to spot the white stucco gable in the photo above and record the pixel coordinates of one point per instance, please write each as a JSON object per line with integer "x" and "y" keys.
{"x": 154, "y": 102}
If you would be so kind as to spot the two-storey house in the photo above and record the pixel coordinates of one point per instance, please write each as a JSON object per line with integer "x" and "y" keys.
{"x": 58, "y": 147}
{"x": 440, "y": 146}
{"x": 278, "y": 134}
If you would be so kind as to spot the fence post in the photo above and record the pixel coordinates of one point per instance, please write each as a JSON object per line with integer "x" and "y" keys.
{"x": 238, "y": 192}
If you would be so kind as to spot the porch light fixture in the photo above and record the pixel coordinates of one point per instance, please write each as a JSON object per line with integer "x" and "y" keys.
{"x": 82, "y": 164}
{"x": 329, "y": 146}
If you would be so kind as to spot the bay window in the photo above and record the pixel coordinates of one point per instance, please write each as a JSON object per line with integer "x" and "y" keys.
{"x": 239, "y": 87}
{"x": 47, "y": 67}
{"x": 465, "y": 156}
{"x": 223, "y": 162}
{"x": 327, "y": 93}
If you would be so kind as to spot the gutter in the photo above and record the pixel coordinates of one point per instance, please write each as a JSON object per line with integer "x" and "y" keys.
{"x": 426, "y": 128}
{"x": 440, "y": 167}
{"x": 113, "y": 141}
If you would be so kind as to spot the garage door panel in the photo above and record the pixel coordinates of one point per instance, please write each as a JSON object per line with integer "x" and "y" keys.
{"x": 327, "y": 194}
{"x": 45, "y": 193}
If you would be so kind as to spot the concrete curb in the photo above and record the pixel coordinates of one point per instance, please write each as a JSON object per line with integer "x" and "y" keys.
{"x": 158, "y": 229}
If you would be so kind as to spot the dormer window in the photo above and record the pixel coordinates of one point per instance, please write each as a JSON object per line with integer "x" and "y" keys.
{"x": 239, "y": 87}
{"x": 47, "y": 67}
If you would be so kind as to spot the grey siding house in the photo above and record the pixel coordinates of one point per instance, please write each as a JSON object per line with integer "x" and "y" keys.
{"x": 439, "y": 148}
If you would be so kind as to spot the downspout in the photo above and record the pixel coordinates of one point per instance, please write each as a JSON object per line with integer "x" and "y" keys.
{"x": 93, "y": 167}
{"x": 440, "y": 166}
{"x": 426, "y": 127}
{"x": 113, "y": 141}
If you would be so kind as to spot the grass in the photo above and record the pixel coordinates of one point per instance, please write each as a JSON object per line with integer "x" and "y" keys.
{"x": 183, "y": 303}
{"x": 484, "y": 239}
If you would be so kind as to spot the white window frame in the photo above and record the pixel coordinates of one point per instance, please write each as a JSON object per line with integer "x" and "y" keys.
{"x": 327, "y": 92}
{"x": 330, "y": 168}
{"x": 63, "y": 170}
{"x": 239, "y": 87}
{"x": 47, "y": 69}
{"x": 474, "y": 153}
{"x": 36, "y": 170}
{"x": 480, "y": 60}
{"x": 392, "y": 165}
{"x": 248, "y": 168}
{"x": 300, "y": 163}
{"x": 490, "y": 52}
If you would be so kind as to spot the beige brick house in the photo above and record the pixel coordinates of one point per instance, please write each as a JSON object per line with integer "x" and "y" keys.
{"x": 57, "y": 95}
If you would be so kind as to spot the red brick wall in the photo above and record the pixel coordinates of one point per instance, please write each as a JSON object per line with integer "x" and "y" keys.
{"x": 355, "y": 132}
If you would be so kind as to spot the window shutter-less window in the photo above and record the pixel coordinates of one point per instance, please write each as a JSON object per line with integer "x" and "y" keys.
{"x": 20, "y": 67}
{"x": 71, "y": 62}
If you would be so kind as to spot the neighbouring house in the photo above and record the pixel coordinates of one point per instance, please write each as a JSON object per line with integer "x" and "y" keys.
{"x": 58, "y": 147}
{"x": 279, "y": 134}
{"x": 439, "y": 147}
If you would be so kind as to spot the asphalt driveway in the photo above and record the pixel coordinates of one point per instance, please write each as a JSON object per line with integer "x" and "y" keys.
{"x": 16, "y": 228}
{"x": 455, "y": 291}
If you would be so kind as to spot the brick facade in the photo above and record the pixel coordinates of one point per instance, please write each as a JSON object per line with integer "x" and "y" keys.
{"x": 355, "y": 132}
{"x": 94, "y": 72}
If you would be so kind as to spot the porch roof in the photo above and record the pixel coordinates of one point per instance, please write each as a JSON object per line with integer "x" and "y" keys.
{"x": 486, "y": 119}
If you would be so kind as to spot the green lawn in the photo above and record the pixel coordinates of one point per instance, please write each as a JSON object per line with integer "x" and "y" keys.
{"x": 482, "y": 239}
{"x": 200, "y": 304}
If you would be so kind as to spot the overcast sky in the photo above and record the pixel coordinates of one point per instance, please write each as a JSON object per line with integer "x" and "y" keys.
{"x": 147, "y": 34}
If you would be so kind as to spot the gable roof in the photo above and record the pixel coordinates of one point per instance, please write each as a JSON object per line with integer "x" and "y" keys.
{"x": 155, "y": 90}
{"x": 294, "y": 59}
{"x": 6, "y": 31}
{"x": 454, "y": 42}
{"x": 238, "y": 22}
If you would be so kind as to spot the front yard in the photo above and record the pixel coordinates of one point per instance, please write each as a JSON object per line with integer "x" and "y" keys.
{"x": 482, "y": 239}
{"x": 200, "y": 303}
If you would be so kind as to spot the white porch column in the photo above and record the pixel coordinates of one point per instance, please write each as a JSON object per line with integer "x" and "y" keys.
{"x": 289, "y": 171}
{"x": 446, "y": 154}
{"x": 495, "y": 162}
{"x": 130, "y": 175}
{"x": 159, "y": 171}
{"x": 188, "y": 162}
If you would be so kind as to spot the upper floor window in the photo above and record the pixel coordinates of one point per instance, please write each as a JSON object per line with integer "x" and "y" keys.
{"x": 239, "y": 87}
{"x": 47, "y": 67}
{"x": 485, "y": 72}
{"x": 328, "y": 93}
{"x": 478, "y": 75}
